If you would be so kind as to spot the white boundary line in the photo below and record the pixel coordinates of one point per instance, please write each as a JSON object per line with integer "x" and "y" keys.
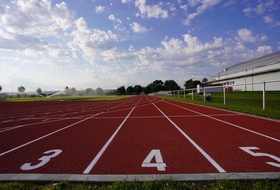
{"x": 30, "y": 142}
{"x": 100, "y": 153}
{"x": 211, "y": 160}
{"x": 228, "y": 123}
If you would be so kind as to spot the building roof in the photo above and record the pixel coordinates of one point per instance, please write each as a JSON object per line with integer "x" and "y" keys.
{"x": 263, "y": 61}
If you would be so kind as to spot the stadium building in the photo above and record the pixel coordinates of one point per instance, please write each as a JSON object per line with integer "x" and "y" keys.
{"x": 266, "y": 68}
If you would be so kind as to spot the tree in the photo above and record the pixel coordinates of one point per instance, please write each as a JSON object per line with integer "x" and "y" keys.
{"x": 147, "y": 89}
{"x": 156, "y": 86}
{"x": 0, "y": 88}
{"x": 171, "y": 85}
{"x": 99, "y": 91}
{"x": 89, "y": 92}
{"x": 191, "y": 83}
{"x": 121, "y": 90}
{"x": 138, "y": 89}
{"x": 204, "y": 80}
{"x": 21, "y": 89}
{"x": 73, "y": 91}
{"x": 129, "y": 90}
{"x": 39, "y": 90}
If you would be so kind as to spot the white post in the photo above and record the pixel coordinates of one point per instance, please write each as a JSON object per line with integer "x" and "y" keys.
{"x": 204, "y": 93}
{"x": 263, "y": 95}
{"x": 178, "y": 93}
{"x": 192, "y": 94}
{"x": 184, "y": 93}
{"x": 224, "y": 88}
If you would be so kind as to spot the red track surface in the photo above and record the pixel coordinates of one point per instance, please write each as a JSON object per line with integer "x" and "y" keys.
{"x": 115, "y": 137}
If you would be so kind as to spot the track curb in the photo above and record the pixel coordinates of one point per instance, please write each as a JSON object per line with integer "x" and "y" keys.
{"x": 138, "y": 177}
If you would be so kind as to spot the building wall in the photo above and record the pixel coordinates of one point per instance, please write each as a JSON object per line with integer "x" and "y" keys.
{"x": 253, "y": 78}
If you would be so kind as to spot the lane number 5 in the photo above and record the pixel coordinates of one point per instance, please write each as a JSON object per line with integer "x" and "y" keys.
{"x": 248, "y": 150}
{"x": 44, "y": 160}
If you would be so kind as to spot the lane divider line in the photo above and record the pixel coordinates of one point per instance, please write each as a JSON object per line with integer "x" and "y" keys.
{"x": 209, "y": 158}
{"x": 222, "y": 121}
{"x": 100, "y": 153}
{"x": 42, "y": 137}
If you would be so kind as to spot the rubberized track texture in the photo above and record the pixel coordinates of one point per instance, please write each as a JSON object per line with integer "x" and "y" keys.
{"x": 142, "y": 137}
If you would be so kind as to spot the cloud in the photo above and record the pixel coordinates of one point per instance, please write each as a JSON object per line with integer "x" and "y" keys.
{"x": 136, "y": 27}
{"x": 154, "y": 11}
{"x": 184, "y": 7}
{"x": 261, "y": 8}
{"x": 99, "y": 9}
{"x": 27, "y": 32}
{"x": 269, "y": 20}
{"x": 246, "y": 35}
{"x": 205, "y": 5}
{"x": 90, "y": 42}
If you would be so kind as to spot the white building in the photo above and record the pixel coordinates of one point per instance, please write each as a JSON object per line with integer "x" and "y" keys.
{"x": 256, "y": 70}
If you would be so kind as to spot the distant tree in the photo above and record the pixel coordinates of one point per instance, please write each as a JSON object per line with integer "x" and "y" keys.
{"x": 147, "y": 89}
{"x": 121, "y": 90}
{"x": 73, "y": 91}
{"x": 129, "y": 90}
{"x": 39, "y": 90}
{"x": 89, "y": 92}
{"x": 67, "y": 91}
{"x": 171, "y": 85}
{"x": 99, "y": 91}
{"x": 156, "y": 86}
{"x": 204, "y": 80}
{"x": 138, "y": 89}
{"x": 21, "y": 89}
{"x": 0, "y": 88}
{"x": 191, "y": 83}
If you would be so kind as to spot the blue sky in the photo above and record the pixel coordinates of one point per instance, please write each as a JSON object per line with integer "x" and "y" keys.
{"x": 109, "y": 43}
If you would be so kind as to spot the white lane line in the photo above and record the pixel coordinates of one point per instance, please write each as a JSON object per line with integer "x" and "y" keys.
{"x": 222, "y": 121}
{"x": 95, "y": 160}
{"x": 42, "y": 137}
{"x": 211, "y": 160}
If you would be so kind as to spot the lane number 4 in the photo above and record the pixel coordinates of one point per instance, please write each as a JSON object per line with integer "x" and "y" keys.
{"x": 44, "y": 160}
{"x": 249, "y": 151}
{"x": 159, "y": 164}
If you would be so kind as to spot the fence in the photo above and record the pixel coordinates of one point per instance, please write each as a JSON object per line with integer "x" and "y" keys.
{"x": 224, "y": 89}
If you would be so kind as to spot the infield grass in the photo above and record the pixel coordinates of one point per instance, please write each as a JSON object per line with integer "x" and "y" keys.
{"x": 245, "y": 102}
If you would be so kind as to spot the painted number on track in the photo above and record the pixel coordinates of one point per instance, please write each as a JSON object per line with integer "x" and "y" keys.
{"x": 44, "y": 160}
{"x": 160, "y": 165}
{"x": 248, "y": 150}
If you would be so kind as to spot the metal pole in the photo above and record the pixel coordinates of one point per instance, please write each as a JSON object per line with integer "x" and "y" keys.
{"x": 178, "y": 93}
{"x": 263, "y": 95}
{"x": 184, "y": 93}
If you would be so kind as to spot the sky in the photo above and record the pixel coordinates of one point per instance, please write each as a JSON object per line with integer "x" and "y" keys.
{"x": 51, "y": 44}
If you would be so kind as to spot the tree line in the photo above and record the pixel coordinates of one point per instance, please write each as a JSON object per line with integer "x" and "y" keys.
{"x": 159, "y": 85}
{"x": 155, "y": 86}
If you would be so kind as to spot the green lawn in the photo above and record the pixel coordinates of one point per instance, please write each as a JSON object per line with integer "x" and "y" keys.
{"x": 245, "y": 102}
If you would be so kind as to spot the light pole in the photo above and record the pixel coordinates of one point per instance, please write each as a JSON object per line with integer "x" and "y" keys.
{"x": 12, "y": 90}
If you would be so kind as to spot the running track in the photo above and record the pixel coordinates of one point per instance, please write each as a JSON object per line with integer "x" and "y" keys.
{"x": 141, "y": 137}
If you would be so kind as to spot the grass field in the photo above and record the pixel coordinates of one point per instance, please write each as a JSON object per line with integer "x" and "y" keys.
{"x": 149, "y": 185}
{"x": 245, "y": 102}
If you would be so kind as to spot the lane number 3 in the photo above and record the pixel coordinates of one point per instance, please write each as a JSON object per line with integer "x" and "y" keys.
{"x": 248, "y": 150}
{"x": 160, "y": 165}
{"x": 44, "y": 160}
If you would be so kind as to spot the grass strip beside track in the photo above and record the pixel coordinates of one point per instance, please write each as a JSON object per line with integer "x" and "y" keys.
{"x": 67, "y": 98}
{"x": 245, "y": 102}
{"x": 147, "y": 185}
